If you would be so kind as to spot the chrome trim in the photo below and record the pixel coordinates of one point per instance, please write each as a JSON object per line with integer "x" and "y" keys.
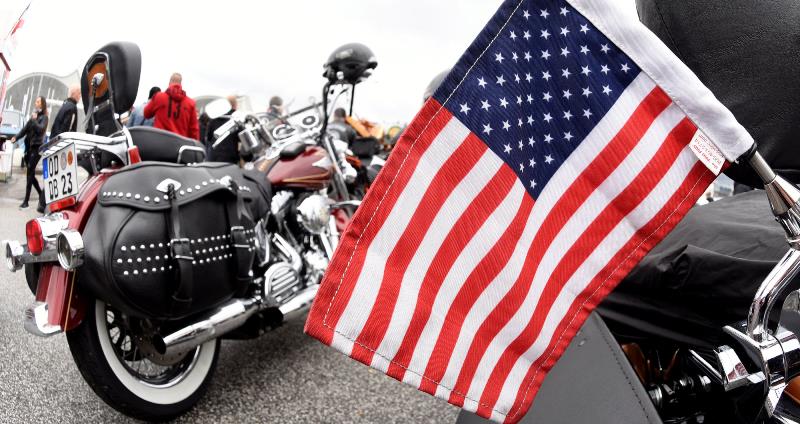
{"x": 769, "y": 292}
{"x": 705, "y": 366}
{"x": 290, "y": 252}
{"x": 16, "y": 259}
{"x": 313, "y": 213}
{"x": 192, "y": 149}
{"x": 14, "y": 252}
{"x": 116, "y": 145}
{"x": 175, "y": 381}
{"x": 299, "y": 303}
{"x": 734, "y": 374}
{"x": 224, "y": 319}
{"x": 70, "y": 249}
{"x": 349, "y": 203}
{"x": 35, "y": 321}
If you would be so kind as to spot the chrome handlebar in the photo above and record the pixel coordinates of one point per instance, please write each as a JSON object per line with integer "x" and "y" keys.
{"x": 774, "y": 349}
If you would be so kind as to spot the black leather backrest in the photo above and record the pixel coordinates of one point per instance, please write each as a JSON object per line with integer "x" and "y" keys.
{"x": 748, "y": 53}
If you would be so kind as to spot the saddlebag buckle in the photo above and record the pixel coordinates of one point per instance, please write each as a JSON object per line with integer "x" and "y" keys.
{"x": 180, "y": 249}
{"x": 239, "y": 238}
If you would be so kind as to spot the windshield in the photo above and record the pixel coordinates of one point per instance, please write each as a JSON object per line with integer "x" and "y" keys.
{"x": 12, "y": 118}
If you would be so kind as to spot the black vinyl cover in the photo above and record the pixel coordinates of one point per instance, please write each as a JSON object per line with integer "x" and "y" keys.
{"x": 701, "y": 277}
{"x": 748, "y": 53}
{"x": 128, "y": 261}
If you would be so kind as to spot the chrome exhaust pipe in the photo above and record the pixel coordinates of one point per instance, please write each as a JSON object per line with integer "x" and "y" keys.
{"x": 226, "y": 318}
{"x": 299, "y": 303}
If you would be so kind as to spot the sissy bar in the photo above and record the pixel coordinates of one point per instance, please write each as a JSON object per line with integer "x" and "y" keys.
{"x": 774, "y": 350}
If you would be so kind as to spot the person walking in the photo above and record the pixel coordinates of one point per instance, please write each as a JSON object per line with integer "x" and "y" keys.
{"x": 173, "y": 110}
{"x": 137, "y": 118}
{"x": 34, "y": 132}
{"x": 66, "y": 119}
{"x": 228, "y": 149}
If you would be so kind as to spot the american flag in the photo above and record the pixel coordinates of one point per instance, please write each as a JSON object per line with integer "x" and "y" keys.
{"x": 543, "y": 169}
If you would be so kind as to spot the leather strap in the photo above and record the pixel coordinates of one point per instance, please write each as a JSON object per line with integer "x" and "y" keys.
{"x": 242, "y": 249}
{"x": 182, "y": 257}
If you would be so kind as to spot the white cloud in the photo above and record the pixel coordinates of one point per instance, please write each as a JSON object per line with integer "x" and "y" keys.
{"x": 258, "y": 48}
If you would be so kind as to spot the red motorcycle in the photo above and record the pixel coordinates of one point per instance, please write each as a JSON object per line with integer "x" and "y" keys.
{"x": 153, "y": 259}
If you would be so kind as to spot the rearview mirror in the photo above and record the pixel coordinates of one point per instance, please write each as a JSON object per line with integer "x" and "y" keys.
{"x": 217, "y": 108}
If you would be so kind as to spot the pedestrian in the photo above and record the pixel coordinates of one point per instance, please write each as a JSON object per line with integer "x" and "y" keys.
{"x": 341, "y": 128}
{"x": 173, "y": 110}
{"x": 275, "y": 108}
{"x": 66, "y": 119}
{"x": 137, "y": 118}
{"x": 203, "y": 122}
{"x": 228, "y": 149}
{"x": 34, "y": 132}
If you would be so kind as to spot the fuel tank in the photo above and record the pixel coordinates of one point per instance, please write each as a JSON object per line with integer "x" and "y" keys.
{"x": 310, "y": 170}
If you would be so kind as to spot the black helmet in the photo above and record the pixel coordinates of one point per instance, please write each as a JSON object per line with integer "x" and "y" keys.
{"x": 350, "y": 63}
{"x": 434, "y": 85}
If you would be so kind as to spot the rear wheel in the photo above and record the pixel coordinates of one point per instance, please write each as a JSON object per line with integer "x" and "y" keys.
{"x": 131, "y": 377}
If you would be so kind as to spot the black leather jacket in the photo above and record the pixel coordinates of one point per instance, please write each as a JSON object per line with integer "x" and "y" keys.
{"x": 34, "y": 131}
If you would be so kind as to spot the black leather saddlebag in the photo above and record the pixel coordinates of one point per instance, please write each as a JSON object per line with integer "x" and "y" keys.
{"x": 166, "y": 241}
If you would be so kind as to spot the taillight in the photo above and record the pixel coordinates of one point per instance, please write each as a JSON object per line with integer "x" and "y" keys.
{"x": 62, "y": 204}
{"x": 33, "y": 232}
{"x": 133, "y": 155}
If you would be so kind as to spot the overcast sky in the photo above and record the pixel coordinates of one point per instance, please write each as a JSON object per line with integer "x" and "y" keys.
{"x": 258, "y": 48}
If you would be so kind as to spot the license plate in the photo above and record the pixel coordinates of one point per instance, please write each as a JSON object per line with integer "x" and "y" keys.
{"x": 60, "y": 172}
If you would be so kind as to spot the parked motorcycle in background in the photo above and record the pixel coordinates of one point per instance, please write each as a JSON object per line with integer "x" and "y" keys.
{"x": 157, "y": 255}
{"x": 299, "y": 155}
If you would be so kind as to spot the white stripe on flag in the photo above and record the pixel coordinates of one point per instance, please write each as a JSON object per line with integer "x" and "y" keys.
{"x": 461, "y": 197}
{"x": 586, "y": 152}
{"x": 480, "y": 245}
{"x": 604, "y": 252}
{"x": 572, "y": 231}
{"x": 357, "y": 312}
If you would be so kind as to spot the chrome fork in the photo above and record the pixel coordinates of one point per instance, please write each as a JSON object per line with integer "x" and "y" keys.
{"x": 776, "y": 351}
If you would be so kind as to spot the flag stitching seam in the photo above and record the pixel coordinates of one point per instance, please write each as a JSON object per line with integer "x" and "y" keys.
{"x": 394, "y": 178}
{"x": 603, "y": 284}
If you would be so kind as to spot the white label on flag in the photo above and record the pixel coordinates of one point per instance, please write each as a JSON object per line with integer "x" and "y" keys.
{"x": 707, "y": 152}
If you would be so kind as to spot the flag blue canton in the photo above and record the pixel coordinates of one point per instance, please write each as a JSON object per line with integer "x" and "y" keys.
{"x": 539, "y": 88}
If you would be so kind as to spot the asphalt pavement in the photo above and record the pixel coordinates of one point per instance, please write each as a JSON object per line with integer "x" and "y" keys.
{"x": 282, "y": 377}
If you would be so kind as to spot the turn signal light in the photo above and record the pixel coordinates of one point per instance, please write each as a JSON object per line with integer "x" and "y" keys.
{"x": 62, "y": 204}
{"x": 33, "y": 232}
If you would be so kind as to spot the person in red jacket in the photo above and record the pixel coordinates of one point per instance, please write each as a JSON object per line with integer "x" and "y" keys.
{"x": 173, "y": 110}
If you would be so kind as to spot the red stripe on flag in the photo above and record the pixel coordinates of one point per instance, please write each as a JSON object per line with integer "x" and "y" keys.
{"x": 622, "y": 205}
{"x": 695, "y": 184}
{"x": 480, "y": 277}
{"x": 456, "y": 240}
{"x": 335, "y": 292}
{"x": 593, "y": 176}
{"x": 457, "y": 166}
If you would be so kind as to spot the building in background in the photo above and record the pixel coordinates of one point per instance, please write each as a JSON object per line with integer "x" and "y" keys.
{"x": 22, "y": 92}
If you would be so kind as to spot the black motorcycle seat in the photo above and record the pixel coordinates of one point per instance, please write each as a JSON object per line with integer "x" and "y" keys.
{"x": 701, "y": 277}
{"x": 163, "y": 146}
{"x": 747, "y": 53}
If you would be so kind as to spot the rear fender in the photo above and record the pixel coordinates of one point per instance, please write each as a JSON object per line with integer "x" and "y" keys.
{"x": 66, "y": 307}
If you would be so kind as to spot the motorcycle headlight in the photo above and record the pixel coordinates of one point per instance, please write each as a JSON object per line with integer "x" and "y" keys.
{"x": 313, "y": 213}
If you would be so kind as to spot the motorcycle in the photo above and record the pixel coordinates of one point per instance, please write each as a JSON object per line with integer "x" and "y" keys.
{"x": 298, "y": 152}
{"x": 705, "y": 329}
{"x": 157, "y": 256}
